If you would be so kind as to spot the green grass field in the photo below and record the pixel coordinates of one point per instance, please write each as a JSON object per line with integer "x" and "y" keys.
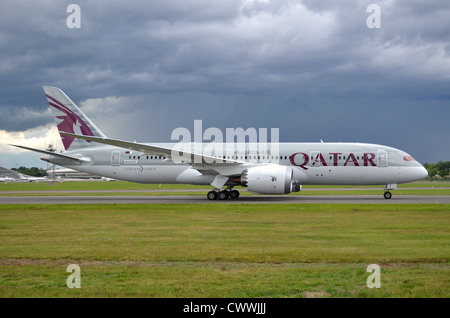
{"x": 233, "y": 250}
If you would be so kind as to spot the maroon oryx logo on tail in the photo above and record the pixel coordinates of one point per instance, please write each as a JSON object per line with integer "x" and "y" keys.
{"x": 70, "y": 122}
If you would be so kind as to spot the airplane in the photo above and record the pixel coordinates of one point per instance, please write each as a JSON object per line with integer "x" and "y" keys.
{"x": 10, "y": 175}
{"x": 24, "y": 178}
{"x": 7, "y": 179}
{"x": 280, "y": 168}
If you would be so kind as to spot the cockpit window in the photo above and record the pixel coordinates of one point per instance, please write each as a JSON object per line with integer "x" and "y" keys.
{"x": 408, "y": 158}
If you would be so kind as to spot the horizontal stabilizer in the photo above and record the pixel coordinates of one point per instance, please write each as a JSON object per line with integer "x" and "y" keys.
{"x": 55, "y": 154}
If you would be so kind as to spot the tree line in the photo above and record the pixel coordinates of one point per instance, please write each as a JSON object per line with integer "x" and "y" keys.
{"x": 33, "y": 171}
{"x": 440, "y": 169}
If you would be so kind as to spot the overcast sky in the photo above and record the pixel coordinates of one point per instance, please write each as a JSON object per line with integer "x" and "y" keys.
{"x": 313, "y": 69}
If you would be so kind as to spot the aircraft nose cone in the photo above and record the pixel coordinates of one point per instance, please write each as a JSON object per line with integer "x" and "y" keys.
{"x": 423, "y": 173}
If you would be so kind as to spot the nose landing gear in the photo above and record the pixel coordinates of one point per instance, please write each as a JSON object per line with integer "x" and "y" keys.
{"x": 387, "y": 194}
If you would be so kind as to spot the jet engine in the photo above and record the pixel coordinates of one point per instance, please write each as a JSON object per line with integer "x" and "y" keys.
{"x": 269, "y": 179}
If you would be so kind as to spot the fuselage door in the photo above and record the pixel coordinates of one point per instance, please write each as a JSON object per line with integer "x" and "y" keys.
{"x": 115, "y": 158}
{"x": 382, "y": 158}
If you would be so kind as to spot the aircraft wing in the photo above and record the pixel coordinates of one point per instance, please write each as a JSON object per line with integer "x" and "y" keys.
{"x": 183, "y": 156}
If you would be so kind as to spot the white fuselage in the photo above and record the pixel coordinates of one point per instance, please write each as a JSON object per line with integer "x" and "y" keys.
{"x": 312, "y": 163}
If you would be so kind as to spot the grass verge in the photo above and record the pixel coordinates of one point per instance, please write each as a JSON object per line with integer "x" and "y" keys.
{"x": 206, "y": 250}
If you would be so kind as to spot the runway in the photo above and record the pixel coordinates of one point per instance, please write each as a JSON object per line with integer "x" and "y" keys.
{"x": 257, "y": 199}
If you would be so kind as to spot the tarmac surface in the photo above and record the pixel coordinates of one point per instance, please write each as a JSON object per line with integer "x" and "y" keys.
{"x": 253, "y": 199}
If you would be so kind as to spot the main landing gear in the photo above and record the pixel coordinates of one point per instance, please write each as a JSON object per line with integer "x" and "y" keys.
{"x": 223, "y": 194}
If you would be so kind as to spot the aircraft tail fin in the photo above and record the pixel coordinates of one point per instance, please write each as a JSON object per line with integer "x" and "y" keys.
{"x": 69, "y": 118}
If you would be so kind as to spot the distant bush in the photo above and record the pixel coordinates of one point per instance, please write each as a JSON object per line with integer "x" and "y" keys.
{"x": 33, "y": 171}
{"x": 436, "y": 170}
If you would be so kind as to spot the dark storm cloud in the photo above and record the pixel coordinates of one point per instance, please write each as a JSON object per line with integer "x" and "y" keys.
{"x": 22, "y": 118}
{"x": 312, "y": 68}
{"x": 231, "y": 46}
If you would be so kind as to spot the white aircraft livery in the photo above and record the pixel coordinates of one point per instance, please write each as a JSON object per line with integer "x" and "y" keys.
{"x": 274, "y": 168}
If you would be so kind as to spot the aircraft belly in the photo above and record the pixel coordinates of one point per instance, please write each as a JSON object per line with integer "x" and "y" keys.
{"x": 353, "y": 175}
{"x": 193, "y": 176}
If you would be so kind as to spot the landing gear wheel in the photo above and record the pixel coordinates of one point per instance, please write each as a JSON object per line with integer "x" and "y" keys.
{"x": 234, "y": 194}
{"x": 212, "y": 195}
{"x": 387, "y": 195}
{"x": 223, "y": 195}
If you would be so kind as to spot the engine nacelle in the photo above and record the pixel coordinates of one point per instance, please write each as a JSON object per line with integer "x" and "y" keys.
{"x": 269, "y": 179}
